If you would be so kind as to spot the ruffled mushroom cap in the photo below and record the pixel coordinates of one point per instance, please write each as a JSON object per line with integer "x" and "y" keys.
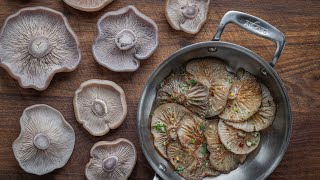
{"x": 187, "y": 15}
{"x": 125, "y": 37}
{"x": 46, "y": 140}
{"x": 261, "y": 119}
{"x": 179, "y": 158}
{"x": 111, "y": 160}
{"x": 213, "y": 74}
{"x": 100, "y": 105}
{"x": 244, "y": 98}
{"x": 238, "y": 141}
{"x": 35, "y": 44}
{"x": 164, "y": 124}
{"x": 88, "y": 5}
{"x": 189, "y": 93}
{"x": 211, "y": 132}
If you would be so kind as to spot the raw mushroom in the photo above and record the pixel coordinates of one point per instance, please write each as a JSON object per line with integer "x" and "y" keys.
{"x": 244, "y": 98}
{"x": 187, "y": 15}
{"x": 35, "y": 44}
{"x": 261, "y": 119}
{"x": 164, "y": 124}
{"x": 100, "y": 105}
{"x": 187, "y": 92}
{"x": 46, "y": 140}
{"x": 125, "y": 37}
{"x": 111, "y": 160}
{"x": 238, "y": 141}
{"x": 88, "y": 5}
{"x": 213, "y": 74}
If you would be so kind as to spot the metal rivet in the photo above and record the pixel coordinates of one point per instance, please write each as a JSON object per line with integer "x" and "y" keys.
{"x": 162, "y": 167}
{"x": 212, "y": 49}
{"x": 264, "y": 72}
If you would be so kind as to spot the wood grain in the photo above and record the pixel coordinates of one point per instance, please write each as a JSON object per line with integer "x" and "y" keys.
{"x": 299, "y": 68}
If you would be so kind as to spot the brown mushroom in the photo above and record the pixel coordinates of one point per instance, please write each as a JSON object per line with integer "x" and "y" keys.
{"x": 35, "y": 44}
{"x": 88, "y": 5}
{"x": 238, "y": 141}
{"x": 178, "y": 88}
{"x": 244, "y": 98}
{"x": 100, "y": 105}
{"x": 46, "y": 140}
{"x": 213, "y": 74}
{"x": 261, "y": 119}
{"x": 211, "y": 132}
{"x": 111, "y": 160}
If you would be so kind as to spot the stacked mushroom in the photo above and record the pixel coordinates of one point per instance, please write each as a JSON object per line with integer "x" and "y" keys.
{"x": 208, "y": 119}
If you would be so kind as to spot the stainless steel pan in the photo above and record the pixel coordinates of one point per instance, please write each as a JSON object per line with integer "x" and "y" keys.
{"x": 275, "y": 140}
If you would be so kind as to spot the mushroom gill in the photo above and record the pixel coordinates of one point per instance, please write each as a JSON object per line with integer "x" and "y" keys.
{"x": 88, "y": 5}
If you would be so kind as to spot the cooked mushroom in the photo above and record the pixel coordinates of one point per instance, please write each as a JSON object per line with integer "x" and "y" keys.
{"x": 187, "y": 15}
{"x": 164, "y": 124}
{"x": 261, "y": 119}
{"x": 244, "y": 98}
{"x": 212, "y": 73}
{"x": 211, "y": 132}
{"x": 35, "y": 44}
{"x": 46, "y": 140}
{"x": 238, "y": 141}
{"x": 88, "y": 5}
{"x": 180, "y": 89}
{"x": 100, "y": 105}
{"x": 179, "y": 158}
{"x": 125, "y": 37}
{"x": 111, "y": 160}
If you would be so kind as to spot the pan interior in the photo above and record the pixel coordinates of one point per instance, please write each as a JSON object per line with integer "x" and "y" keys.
{"x": 275, "y": 139}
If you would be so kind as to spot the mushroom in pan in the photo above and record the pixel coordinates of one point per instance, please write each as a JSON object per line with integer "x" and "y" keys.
{"x": 244, "y": 98}
{"x": 187, "y": 15}
{"x": 125, "y": 37}
{"x": 100, "y": 105}
{"x": 88, "y": 5}
{"x": 111, "y": 160}
{"x": 213, "y": 74}
{"x": 236, "y": 140}
{"x": 190, "y": 93}
{"x": 164, "y": 124}
{"x": 211, "y": 132}
{"x": 35, "y": 44}
{"x": 46, "y": 140}
{"x": 261, "y": 119}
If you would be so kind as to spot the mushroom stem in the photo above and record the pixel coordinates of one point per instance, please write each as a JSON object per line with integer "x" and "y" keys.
{"x": 99, "y": 108}
{"x": 126, "y": 39}
{"x": 39, "y": 46}
{"x": 190, "y": 11}
{"x": 110, "y": 163}
{"x": 41, "y": 141}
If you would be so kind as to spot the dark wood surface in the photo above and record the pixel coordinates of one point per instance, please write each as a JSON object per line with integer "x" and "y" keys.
{"x": 299, "y": 68}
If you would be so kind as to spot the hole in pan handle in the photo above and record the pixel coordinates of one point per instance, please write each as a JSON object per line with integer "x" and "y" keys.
{"x": 256, "y": 26}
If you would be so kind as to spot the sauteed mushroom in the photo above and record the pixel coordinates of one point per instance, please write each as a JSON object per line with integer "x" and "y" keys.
{"x": 88, "y": 5}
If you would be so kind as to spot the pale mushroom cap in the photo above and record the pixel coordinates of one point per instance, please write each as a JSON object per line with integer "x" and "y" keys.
{"x": 244, "y": 99}
{"x": 88, "y": 5}
{"x": 213, "y": 74}
{"x": 46, "y": 140}
{"x": 164, "y": 123}
{"x": 238, "y": 141}
{"x": 125, "y": 37}
{"x": 100, "y": 105}
{"x": 178, "y": 88}
{"x": 35, "y": 44}
{"x": 187, "y": 15}
{"x": 211, "y": 132}
{"x": 261, "y": 119}
{"x": 111, "y": 160}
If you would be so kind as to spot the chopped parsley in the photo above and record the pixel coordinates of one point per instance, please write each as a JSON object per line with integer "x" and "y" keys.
{"x": 204, "y": 149}
{"x": 235, "y": 109}
{"x": 193, "y": 141}
{"x": 179, "y": 169}
{"x": 193, "y": 82}
{"x": 202, "y": 127}
{"x": 160, "y": 127}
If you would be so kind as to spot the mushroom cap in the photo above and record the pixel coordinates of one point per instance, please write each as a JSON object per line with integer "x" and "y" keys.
{"x": 100, "y": 105}
{"x": 164, "y": 123}
{"x": 238, "y": 141}
{"x": 178, "y": 88}
{"x": 223, "y": 160}
{"x": 261, "y": 119}
{"x": 244, "y": 99}
{"x": 213, "y": 74}
{"x": 46, "y": 140}
{"x": 125, "y": 37}
{"x": 35, "y": 44}
{"x": 111, "y": 160}
{"x": 187, "y": 15}
{"x": 179, "y": 158}
{"x": 88, "y": 5}
{"x": 211, "y": 132}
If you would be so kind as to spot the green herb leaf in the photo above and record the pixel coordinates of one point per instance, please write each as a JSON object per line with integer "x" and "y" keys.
{"x": 179, "y": 169}
{"x": 204, "y": 149}
{"x": 193, "y": 82}
{"x": 202, "y": 127}
{"x": 160, "y": 127}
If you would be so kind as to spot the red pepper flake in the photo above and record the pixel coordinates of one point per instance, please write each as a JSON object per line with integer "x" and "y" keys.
{"x": 241, "y": 145}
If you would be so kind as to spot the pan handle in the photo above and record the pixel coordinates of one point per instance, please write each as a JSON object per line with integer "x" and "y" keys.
{"x": 256, "y": 26}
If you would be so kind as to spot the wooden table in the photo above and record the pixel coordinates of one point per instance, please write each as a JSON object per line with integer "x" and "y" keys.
{"x": 299, "y": 68}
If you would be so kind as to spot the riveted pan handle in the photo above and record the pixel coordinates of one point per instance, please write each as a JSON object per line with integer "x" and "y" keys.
{"x": 256, "y": 26}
